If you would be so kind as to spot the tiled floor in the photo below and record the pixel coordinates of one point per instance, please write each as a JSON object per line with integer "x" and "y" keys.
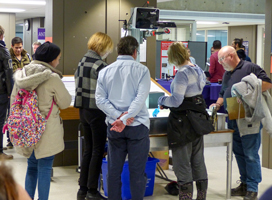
{"x": 64, "y": 185}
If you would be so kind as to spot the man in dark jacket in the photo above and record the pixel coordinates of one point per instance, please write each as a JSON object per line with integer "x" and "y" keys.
{"x": 5, "y": 87}
{"x": 237, "y": 44}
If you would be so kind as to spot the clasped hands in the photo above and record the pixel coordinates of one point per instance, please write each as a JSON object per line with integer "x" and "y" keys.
{"x": 118, "y": 124}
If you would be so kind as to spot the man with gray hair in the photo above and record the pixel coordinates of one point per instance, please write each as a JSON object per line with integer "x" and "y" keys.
{"x": 5, "y": 87}
{"x": 35, "y": 45}
{"x": 121, "y": 92}
{"x": 245, "y": 147}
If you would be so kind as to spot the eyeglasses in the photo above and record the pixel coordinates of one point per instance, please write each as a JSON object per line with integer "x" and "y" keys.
{"x": 222, "y": 58}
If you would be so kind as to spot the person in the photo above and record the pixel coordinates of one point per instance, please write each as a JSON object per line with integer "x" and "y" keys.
{"x": 208, "y": 60}
{"x": 216, "y": 70}
{"x": 9, "y": 189}
{"x": 19, "y": 56}
{"x": 192, "y": 59}
{"x": 245, "y": 148}
{"x": 5, "y": 87}
{"x": 35, "y": 45}
{"x": 121, "y": 92}
{"x": 42, "y": 75}
{"x": 237, "y": 44}
{"x": 92, "y": 119}
{"x": 187, "y": 147}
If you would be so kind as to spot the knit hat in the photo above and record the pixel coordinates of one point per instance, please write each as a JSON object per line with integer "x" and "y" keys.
{"x": 47, "y": 52}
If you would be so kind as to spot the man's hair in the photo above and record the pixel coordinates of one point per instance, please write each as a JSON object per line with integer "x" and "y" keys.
{"x": 100, "y": 43}
{"x": 238, "y": 41}
{"x": 2, "y": 30}
{"x": 16, "y": 40}
{"x": 36, "y": 43}
{"x": 177, "y": 54}
{"x": 127, "y": 46}
{"x": 217, "y": 44}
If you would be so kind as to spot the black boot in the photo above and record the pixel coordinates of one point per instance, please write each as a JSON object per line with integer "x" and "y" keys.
{"x": 202, "y": 186}
{"x": 251, "y": 195}
{"x": 186, "y": 191}
{"x": 241, "y": 190}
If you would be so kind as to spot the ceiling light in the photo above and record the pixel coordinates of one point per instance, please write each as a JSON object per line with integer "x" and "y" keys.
{"x": 23, "y": 2}
{"x": 11, "y": 10}
{"x": 203, "y": 22}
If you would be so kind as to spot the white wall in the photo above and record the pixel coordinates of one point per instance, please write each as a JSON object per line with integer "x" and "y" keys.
{"x": 260, "y": 46}
{"x": 7, "y": 21}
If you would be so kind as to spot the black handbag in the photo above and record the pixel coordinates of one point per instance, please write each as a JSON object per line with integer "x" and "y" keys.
{"x": 200, "y": 122}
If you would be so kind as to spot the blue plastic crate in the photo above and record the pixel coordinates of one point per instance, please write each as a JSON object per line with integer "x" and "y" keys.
{"x": 150, "y": 173}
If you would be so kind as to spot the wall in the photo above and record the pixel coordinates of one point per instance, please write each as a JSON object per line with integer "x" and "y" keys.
{"x": 72, "y": 33}
{"x": 238, "y": 6}
{"x": 248, "y": 33}
{"x": 31, "y": 35}
{"x": 7, "y": 21}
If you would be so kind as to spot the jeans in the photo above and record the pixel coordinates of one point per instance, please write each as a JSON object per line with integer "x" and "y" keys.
{"x": 188, "y": 162}
{"x": 134, "y": 141}
{"x": 246, "y": 150}
{"x": 95, "y": 135}
{"x": 3, "y": 111}
{"x": 38, "y": 170}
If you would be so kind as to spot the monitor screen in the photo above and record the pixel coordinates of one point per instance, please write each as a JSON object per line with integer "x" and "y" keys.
{"x": 146, "y": 18}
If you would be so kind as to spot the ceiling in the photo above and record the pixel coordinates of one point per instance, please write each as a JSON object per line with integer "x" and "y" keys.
{"x": 31, "y": 8}
{"x": 36, "y": 8}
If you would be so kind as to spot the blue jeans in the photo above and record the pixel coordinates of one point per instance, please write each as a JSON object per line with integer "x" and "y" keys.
{"x": 246, "y": 150}
{"x": 38, "y": 170}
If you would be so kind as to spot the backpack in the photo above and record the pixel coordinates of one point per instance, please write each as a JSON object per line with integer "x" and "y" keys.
{"x": 25, "y": 122}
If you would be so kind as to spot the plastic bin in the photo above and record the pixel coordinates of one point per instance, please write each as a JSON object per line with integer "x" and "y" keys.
{"x": 150, "y": 173}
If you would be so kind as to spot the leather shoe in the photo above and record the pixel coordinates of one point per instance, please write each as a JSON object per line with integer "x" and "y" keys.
{"x": 251, "y": 195}
{"x": 241, "y": 190}
{"x": 96, "y": 196}
{"x": 5, "y": 156}
{"x": 81, "y": 195}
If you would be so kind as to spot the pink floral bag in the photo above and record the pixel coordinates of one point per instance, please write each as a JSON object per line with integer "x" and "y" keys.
{"x": 25, "y": 122}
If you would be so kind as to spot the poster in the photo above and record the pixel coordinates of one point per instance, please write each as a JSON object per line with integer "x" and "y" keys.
{"x": 166, "y": 68}
{"x": 41, "y": 35}
{"x": 245, "y": 43}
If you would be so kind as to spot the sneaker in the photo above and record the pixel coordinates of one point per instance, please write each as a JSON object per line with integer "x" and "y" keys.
{"x": 5, "y": 156}
{"x": 81, "y": 195}
{"x": 251, "y": 195}
{"x": 96, "y": 196}
{"x": 10, "y": 145}
{"x": 241, "y": 190}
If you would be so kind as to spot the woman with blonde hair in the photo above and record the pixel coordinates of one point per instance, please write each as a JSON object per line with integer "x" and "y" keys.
{"x": 186, "y": 144}
{"x": 100, "y": 45}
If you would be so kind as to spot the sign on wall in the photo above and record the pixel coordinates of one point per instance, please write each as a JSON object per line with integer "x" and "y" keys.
{"x": 41, "y": 35}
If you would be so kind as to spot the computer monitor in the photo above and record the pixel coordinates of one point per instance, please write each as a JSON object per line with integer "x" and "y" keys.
{"x": 145, "y": 18}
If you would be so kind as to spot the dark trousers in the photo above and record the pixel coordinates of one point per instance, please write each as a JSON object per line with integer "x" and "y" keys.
{"x": 134, "y": 141}
{"x": 95, "y": 134}
{"x": 3, "y": 111}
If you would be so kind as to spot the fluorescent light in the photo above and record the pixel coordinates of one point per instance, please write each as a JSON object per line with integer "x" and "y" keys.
{"x": 23, "y": 2}
{"x": 203, "y": 22}
{"x": 11, "y": 10}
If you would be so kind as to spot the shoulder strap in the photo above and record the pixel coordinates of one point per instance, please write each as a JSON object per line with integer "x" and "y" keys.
{"x": 49, "y": 113}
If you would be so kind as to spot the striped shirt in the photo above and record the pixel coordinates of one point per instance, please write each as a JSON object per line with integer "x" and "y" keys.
{"x": 188, "y": 82}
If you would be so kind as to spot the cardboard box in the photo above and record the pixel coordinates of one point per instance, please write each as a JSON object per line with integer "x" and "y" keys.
{"x": 163, "y": 156}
